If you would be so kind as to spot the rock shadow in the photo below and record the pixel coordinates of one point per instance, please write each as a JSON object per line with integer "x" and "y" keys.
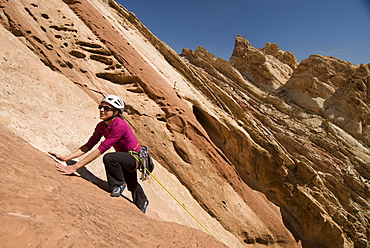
{"x": 89, "y": 176}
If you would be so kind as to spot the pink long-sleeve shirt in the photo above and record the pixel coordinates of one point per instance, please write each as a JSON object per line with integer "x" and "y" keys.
{"x": 117, "y": 134}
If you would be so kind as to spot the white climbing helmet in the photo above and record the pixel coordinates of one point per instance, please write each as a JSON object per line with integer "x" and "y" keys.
{"x": 115, "y": 101}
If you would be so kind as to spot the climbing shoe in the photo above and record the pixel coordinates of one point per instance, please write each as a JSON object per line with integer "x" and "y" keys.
{"x": 144, "y": 206}
{"x": 117, "y": 191}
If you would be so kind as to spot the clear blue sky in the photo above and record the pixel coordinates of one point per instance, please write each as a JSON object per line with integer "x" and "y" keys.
{"x": 338, "y": 28}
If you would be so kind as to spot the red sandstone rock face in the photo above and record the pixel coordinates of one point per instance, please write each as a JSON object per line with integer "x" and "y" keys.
{"x": 266, "y": 172}
{"x": 39, "y": 208}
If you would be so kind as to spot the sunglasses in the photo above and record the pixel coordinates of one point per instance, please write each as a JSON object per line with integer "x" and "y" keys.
{"x": 106, "y": 108}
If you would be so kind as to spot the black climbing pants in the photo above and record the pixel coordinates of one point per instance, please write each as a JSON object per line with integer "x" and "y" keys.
{"x": 121, "y": 167}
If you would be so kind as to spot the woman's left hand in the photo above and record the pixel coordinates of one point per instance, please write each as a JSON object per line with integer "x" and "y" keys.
{"x": 66, "y": 170}
{"x": 60, "y": 157}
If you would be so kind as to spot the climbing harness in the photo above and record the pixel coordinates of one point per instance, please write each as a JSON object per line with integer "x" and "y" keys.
{"x": 146, "y": 165}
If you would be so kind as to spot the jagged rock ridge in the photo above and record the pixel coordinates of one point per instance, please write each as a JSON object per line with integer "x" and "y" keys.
{"x": 258, "y": 123}
{"x": 316, "y": 151}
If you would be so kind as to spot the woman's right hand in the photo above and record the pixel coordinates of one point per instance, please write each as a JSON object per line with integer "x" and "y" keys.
{"x": 60, "y": 157}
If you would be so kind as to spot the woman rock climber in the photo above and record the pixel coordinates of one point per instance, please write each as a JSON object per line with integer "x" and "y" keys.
{"x": 121, "y": 166}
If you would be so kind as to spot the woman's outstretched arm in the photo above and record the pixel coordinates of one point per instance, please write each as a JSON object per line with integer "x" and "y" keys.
{"x": 79, "y": 152}
{"x": 67, "y": 170}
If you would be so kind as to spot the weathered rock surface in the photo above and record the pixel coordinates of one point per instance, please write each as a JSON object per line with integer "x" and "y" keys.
{"x": 285, "y": 57}
{"x": 264, "y": 152}
{"x": 307, "y": 158}
{"x": 335, "y": 89}
{"x": 268, "y": 68}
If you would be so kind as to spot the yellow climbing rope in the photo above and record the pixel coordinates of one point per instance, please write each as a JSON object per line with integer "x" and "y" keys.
{"x": 182, "y": 205}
